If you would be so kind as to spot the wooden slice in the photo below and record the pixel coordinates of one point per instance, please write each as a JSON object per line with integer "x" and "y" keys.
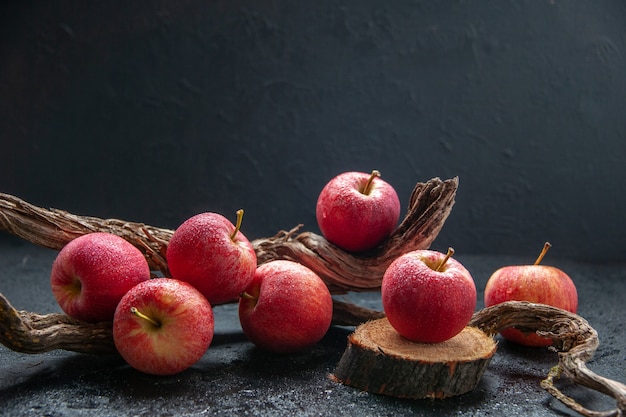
{"x": 380, "y": 361}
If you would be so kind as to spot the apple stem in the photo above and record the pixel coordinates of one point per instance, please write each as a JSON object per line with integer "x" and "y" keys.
{"x": 248, "y": 296}
{"x": 368, "y": 185}
{"x": 238, "y": 224}
{"x": 143, "y": 316}
{"x": 546, "y": 246}
{"x": 444, "y": 260}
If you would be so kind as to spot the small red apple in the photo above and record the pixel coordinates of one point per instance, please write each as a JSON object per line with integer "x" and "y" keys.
{"x": 428, "y": 296}
{"x": 357, "y": 211}
{"x": 212, "y": 254}
{"x": 93, "y": 272}
{"x": 533, "y": 283}
{"x": 287, "y": 307}
{"x": 163, "y": 326}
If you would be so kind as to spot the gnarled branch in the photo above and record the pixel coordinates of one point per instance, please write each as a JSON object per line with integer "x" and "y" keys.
{"x": 27, "y": 332}
{"x": 429, "y": 207}
{"x": 572, "y": 337}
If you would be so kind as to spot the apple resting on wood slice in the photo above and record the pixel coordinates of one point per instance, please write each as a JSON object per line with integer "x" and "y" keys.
{"x": 423, "y": 348}
{"x": 428, "y": 296}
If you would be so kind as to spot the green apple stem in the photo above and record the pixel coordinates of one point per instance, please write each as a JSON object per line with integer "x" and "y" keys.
{"x": 143, "y": 316}
{"x": 368, "y": 185}
{"x": 238, "y": 224}
{"x": 444, "y": 260}
{"x": 248, "y": 296}
{"x": 546, "y": 246}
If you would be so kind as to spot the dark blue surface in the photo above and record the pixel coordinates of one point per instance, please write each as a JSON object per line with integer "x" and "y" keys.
{"x": 235, "y": 378}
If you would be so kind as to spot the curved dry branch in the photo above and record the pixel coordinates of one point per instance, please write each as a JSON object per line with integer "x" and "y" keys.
{"x": 53, "y": 229}
{"x": 27, "y": 332}
{"x": 574, "y": 340}
{"x": 429, "y": 207}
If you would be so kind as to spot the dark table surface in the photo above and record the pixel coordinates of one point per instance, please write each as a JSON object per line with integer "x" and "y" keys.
{"x": 235, "y": 378}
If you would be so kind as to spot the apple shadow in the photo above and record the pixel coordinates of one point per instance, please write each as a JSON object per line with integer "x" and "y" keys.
{"x": 324, "y": 355}
{"x": 62, "y": 371}
{"x": 229, "y": 372}
{"x": 55, "y": 370}
{"x": 228, "y": 338}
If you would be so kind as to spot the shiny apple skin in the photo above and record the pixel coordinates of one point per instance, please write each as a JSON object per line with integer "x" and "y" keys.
{"x": 354, "y": 221}
{"x": 424, "y": 305}
{"x": 202, "y": 253}
{"x": 92, "y": 273}
{"x": 542, "y": 284}
{"x": 292, "y": 311}
{"x": 185, "y": 332}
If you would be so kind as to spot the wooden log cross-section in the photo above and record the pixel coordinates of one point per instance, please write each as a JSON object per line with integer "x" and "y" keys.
{"x": 380, "y": 361}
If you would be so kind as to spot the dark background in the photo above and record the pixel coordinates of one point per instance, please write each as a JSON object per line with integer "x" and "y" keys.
{"x": 154, "y": 111}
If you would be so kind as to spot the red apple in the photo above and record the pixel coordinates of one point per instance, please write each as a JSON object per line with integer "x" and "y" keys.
{"x": 357, "y": 211}
{"x": 163, "y": 326}
{"x": 92, "y": 272}
{"x": 212, "y": 254}
{"x": 534, "y": 283}
{"x": 286, "y": 308}
{"x": 428, "y": 296}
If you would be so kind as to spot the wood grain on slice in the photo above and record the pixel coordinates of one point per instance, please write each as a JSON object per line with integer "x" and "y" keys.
{"x": 380, "y": 361}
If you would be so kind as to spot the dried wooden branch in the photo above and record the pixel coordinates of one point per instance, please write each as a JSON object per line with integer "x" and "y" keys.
{"x": 54, "y": 228}
{"x": 574, "y": 340}
{"x": 429, "y": 207}
{"x": 27, "y": 332}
